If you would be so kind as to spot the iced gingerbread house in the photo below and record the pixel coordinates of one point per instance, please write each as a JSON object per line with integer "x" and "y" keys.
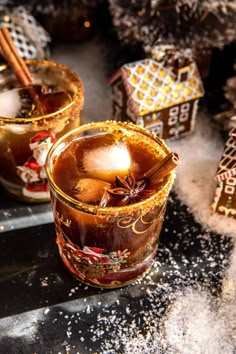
{"x": 158, "y": 96}
{"x": 225, "y": 195}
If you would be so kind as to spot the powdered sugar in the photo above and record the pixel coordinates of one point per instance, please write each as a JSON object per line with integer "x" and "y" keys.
{"x": 194, "y": 326}
{"x": 177, "y": 308}
{"x": 195, "y": 322}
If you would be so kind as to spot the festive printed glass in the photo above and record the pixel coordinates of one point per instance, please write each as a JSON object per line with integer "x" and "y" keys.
{"x": 25, "y": 141}
{"x": 105, "y": 246}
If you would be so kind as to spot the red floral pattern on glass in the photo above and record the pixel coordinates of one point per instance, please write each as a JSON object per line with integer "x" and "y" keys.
{"x": 90, "y": 262}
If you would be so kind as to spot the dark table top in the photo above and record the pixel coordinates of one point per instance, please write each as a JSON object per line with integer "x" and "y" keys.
{"x": 45, "y": 310}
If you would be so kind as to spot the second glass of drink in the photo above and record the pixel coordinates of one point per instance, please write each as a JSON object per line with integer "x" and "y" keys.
{"x": 26, "y": 134}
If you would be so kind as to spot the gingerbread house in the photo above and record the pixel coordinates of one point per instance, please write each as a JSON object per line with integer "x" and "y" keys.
{"x": 225, "y": 195}
{"x": 150, "y": 93}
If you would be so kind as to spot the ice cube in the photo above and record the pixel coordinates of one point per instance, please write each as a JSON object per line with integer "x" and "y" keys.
{"x": 16, "y": 102}
{"x": 106, "y": 160}
{"x": 90, "y": 190}
{"x": 102, "y": 157}
{"x": 10, "y": 103}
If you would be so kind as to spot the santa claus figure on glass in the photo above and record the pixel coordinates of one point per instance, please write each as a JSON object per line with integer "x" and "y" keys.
{"x": 33, "y": 172}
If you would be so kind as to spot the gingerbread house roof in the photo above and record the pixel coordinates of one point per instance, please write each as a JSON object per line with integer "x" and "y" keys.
{"x": 227, "y": 165}
{"x": 152, "y": 86}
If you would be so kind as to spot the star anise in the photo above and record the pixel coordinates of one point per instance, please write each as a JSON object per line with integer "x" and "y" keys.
{"x": 128, "y": 191}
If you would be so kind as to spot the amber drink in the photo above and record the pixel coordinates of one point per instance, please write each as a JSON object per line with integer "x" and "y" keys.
{"x": 28, "y": 127}
{"x": 107, "y": 215}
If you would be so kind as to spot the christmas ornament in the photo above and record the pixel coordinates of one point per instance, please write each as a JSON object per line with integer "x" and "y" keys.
{"x": 161, "y": 94}
{"x": 30, "y": 39}
{"x": 225, "y": 195}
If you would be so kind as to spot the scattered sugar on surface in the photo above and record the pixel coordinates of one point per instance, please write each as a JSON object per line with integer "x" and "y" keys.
{"x": 194, "y": 322}
{"x": 194, "y": 325}
{"x": 73, "y": 291}
{"x": 174, "y": 309}
{"x": 195, "y": 184}
{"x": 44, "y": 281}
{"x": 46, "y": 311}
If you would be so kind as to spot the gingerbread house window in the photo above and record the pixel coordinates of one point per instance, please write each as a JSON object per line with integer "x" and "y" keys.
{"x": 231, "y": 181}
{"x": 184, "y": 109}
{"x": 183, "y": 74}
{"x": 173, "y": 115}
{"x": 230, "y": 187}
{"x": 157, "y": 128}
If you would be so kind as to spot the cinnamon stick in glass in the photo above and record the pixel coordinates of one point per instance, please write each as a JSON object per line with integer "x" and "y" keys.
{"x": 18, "y": 66}
{"x": 162, "y": 168}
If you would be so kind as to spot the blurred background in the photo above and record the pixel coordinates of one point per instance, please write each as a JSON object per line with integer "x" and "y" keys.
{"x": 119, "y": 32}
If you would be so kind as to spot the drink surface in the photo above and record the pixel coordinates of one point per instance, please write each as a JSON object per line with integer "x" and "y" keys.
{"x": 87, "y": 161}
{"x": 18, "y": 102}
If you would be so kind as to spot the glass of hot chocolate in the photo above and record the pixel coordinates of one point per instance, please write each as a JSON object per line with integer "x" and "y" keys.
{"x": 109, "y": 184}
{"x": 31, "y": 119}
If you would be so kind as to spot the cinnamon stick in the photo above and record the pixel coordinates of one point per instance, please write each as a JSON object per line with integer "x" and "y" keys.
{"x": 14, "y": 59}
{"x": 163, "y": 167}
{"x": 18, "y": 65}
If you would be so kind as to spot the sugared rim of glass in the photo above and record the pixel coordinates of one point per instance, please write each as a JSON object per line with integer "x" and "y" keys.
{"x": 47, "y": 63}
{"x": 95, "y": 209}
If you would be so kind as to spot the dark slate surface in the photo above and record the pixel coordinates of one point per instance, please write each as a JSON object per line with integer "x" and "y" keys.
{"x": 45, "y": 310}
{"x": 16, "y": 215}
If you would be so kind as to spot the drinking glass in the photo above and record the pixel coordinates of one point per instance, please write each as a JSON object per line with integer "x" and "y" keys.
{"x": 25, "y": 140}
{"x": 105, "y": 246}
